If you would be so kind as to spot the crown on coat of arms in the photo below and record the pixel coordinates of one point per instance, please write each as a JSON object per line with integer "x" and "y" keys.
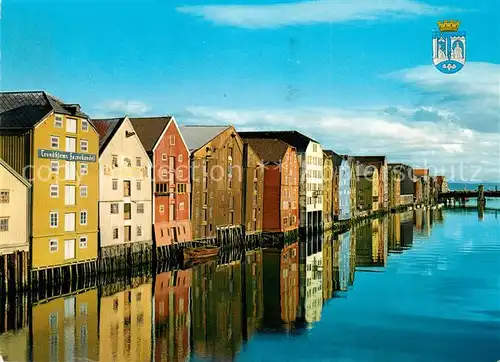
{"x": 448, "y": 25}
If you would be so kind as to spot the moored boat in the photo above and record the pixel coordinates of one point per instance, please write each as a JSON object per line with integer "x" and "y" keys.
{"x": 200, "y": 253}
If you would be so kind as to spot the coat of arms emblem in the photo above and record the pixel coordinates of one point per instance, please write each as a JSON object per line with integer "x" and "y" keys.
{"x": 448, "y": 47}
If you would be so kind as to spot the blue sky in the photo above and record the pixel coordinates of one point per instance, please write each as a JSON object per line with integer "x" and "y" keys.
{"x": 356, "y": 75}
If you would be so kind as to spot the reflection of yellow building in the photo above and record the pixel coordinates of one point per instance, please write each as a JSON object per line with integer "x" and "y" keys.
{"x": 376, "y": 232}
{"x": 125, "y": 325}
{"x": 56, "y": 149}
{"x": 375, "y": 187}
{"x": 327, "y": 265}
{"x": 65, "y": 329}
{"x": 395, "y": 232}
{"x": 14, "y": 345}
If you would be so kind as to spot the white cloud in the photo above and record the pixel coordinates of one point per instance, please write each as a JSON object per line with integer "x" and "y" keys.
{"x": 458, "y": 153}
{"x": 309, "y": 12}
{"x": 470, "y": 97}
{"x": 123, "y": 107}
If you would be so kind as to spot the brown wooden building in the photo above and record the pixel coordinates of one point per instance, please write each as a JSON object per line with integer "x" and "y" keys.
{"x": 281, "y": 184}
{"x": 220, "y": 164}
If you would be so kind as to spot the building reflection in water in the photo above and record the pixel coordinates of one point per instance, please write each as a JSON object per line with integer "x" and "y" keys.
{"x": 66, "y": 329}
{"x": 344, "y": 260}
{"x": 14, "y": 331}
{"x": 125, "y": 322}
{"x": 423, "y": 222}
{"x": 172, "y": 292}
{"x": 314, "y": 280}
{"x": 254, "y": 306}
{"x": 328, "y": 265}
{"x": 217, "y": 310}
{"x": 289, "y": 283}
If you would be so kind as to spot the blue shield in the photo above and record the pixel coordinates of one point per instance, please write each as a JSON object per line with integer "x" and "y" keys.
{"x": 448, "y": 51}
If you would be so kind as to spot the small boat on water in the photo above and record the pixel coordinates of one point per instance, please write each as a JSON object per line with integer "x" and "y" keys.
{"x": 200, "y": 253}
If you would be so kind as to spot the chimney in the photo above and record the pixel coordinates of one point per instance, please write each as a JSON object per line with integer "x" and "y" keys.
{"x": 73, "y": 108}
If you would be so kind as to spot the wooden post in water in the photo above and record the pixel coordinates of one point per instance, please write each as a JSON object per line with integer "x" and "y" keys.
{"x": 481, "y": 201}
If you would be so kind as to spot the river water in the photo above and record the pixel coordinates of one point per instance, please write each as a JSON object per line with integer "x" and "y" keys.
{"x": 421, "y": 286}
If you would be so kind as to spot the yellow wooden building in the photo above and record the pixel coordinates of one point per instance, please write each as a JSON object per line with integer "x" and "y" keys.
{"x": 55, "y": 147}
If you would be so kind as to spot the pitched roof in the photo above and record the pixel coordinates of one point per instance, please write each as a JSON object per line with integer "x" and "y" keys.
{"x": 293, "y": 138}
{"x": 369, "y": 159}
{"x": 150, "y": 129}
{"x": 336, "y": 158}
{"x": 106, "y": 128}
{"x": 268, "y": 150}
{"x": 14, "y": 173}
{"x": 197, "y": 136}
{"x": 26, "y": 109}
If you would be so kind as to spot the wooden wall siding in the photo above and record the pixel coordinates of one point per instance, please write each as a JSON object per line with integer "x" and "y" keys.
{"x": 15, "y": 149}
{"x": 272, "y": 199}
{"x": 290, "y": 190}
{"x": 330, "y": 189}
{"x": 254, "y": 193}
{"x": 175, "y": 228}
{"x": 222, "y": 199}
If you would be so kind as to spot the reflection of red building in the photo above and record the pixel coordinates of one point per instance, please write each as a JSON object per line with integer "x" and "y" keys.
{"x": 289, "y": 282}
{"x": 165, "y": 146}
{"x": 172, "y": 315}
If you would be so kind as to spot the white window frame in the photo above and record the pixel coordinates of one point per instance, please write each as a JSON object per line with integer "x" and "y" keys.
{"x": 53, "y": 242}
{"x": 181, "y": 206}
{"x": 6, "y": 219}
{"x": 54, "y": 142}
{"x": 85, "y": 125}
{"x": 138, "y": 162}
{"x": 180, "y": 158}
{"x": 164, "y": 173}
{"x": 164, "y": 157}
{"x": 113, "y": 183}
{"x": 139, "y": 230}
{"x": 84, "y": 169}
{"x": 84, "y": 146}
{"x": 69, "y": 200}
{"x": 84, "y": 194}
{"x": 162, "y": 209}
{"x": 54, "y": 191}
{"x": 181, "y": 173}
{"x": 117, "y": 208}
{"x": 141, "y": 209}
{"x": 171, "y": 139}
{"x": 70, "y": 122}
{"x": 58, "y": 121}
{"x": 117, "y": 232}
{"x": 86, "y": 214}
{"x": 54, "y": 166}
{"x": 5, "y": 199}
{"x": 83, "y": 242}
{"x": 56, "y": 214}
{"x": 138, "y": 185}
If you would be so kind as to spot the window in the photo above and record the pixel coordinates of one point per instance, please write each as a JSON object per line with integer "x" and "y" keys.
{"x": 84, "y": 169}
{"x": 83, "y": 309}
{"x": 181, "y": 188}
{"x": 138, "y": 161}
{"x": 172, "y": 139}
{"x": 127, "y": 162}
{"x": 115, "y": 233}
{"x": 53, "y": 245}
{"x": 83, "y": 217}
{"x": 140, "y": 208}
{"x": 138, "y": 185}
{"x": 127, "y": 211}
{"x": 83, "y": 245}
{"x": 114, "y": 161}
{"x": 83, "y": 191}
{"x": 54, "y": 142}
{"x": 180, "y": 158}
{"x": 139, "y": 230}
{"x": 69, "y": 195}
{"x": 163, "y": 156}
{"x": 69, "y": 221}
{"x": 54, "y": 191}
{"x": 315, "y": 147}
{"x": 4, "y": 224}
{"x": 114, "y": 184}
{"x": 58, "y": 121}
{"x": 162, "y": 208}
{"x": 54, "y": 219}
{"x": 181, "y": 173}
{"x": 114, "y": 208}
{"x": 126, "y": 188}
{"x": 4, "y": 196}
{"x": 164, "y": 173}
{"x": 70, "y": 170}
{"x": 181, "y": 206}
{"x": 71, "y": 125}
{"x": 84, "y": 145}
{"x": 54, "y": 166}
{"x": 70, "y": 144}
{"x": 85, "y": 125}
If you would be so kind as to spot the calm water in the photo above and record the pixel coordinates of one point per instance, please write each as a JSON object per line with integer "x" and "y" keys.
{"x": 411, "y": 287}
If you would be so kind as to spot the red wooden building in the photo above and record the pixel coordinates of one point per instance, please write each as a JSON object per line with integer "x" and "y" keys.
{"x": 169, "y": 153}
{"x": 281, "y": 183}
